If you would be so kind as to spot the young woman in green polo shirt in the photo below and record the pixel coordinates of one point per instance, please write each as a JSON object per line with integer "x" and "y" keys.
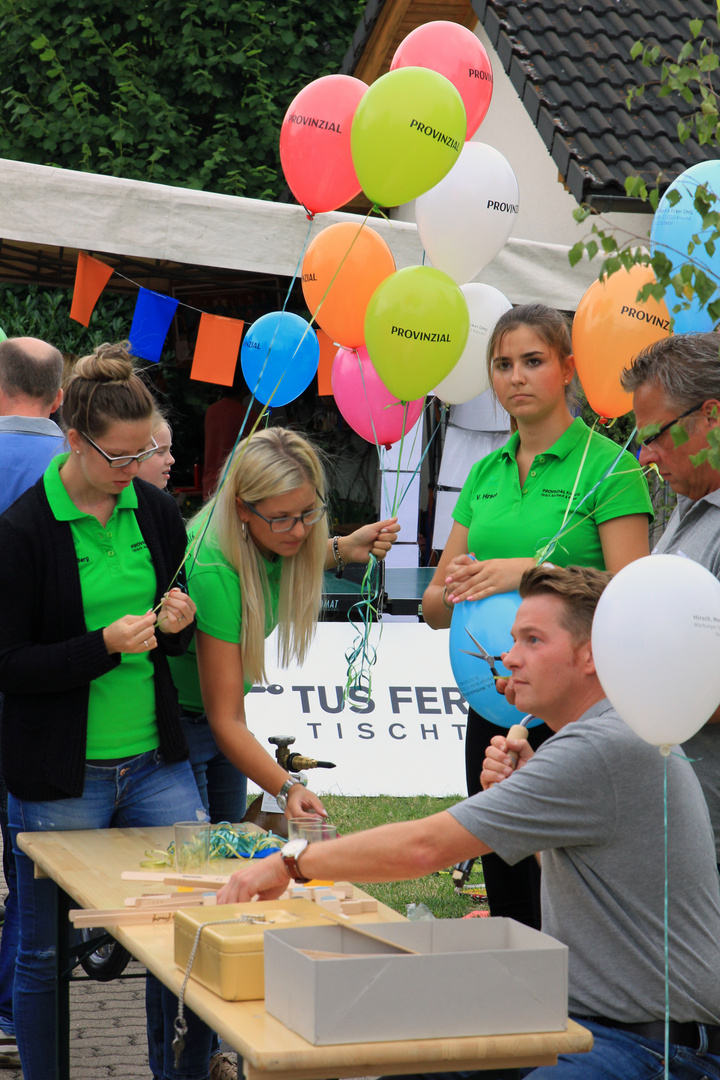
{"x": 91, "y": 734}
{"x": 257, "y": 555}
{"x": 515, "y": 501}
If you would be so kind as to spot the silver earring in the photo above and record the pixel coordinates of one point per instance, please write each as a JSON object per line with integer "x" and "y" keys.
{"x": 244, "y": 531}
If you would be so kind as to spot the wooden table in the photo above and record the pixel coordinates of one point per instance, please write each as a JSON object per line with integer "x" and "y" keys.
{"x": 86, "y": 865}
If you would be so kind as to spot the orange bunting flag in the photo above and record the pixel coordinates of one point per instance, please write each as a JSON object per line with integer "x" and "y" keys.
{"x": 328, "y": 349}
{"x": 91, "y": 277}
{"x": 217, "y": 348}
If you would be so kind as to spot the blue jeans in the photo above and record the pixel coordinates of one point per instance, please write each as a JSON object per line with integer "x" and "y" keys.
{"x": 144, "y": 791}
{"x": 616, "y": 1055}
{"x": 222, "y": 787}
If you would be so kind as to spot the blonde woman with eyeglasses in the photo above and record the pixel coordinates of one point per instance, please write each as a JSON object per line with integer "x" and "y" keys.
{"x": 257, "y": 554}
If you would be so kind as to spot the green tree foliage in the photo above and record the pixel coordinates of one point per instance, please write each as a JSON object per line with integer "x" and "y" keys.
{"x": 174, "y": 91}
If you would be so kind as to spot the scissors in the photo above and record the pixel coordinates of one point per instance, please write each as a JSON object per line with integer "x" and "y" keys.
{"x": 483, "y": 654}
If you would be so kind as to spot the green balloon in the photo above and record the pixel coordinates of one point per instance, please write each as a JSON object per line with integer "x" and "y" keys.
{"x": 407, "y": 133}
{"x": 3, "y": 335}
{"x": 416, "y": 328}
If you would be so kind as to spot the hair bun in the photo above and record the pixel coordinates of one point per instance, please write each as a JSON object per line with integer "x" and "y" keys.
{"x": 107, "y": 364}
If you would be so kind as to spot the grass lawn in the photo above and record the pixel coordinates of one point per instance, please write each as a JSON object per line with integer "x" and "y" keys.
{"x": 437, "y": 890}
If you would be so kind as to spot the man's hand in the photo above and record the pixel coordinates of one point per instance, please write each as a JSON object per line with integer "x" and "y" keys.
{"x": 265, "y": 878}
{"x": 498, "y": 764}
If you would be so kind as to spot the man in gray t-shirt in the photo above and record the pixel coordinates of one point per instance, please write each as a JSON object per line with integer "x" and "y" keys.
{"x": 591, "y": 802}
{"x": 676, "y": 385}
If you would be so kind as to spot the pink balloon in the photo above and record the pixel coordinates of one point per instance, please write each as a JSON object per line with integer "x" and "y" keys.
{"x": 366, "y": 403}
{"x": 455, "y": 52}
{"x": 315, "y": 143}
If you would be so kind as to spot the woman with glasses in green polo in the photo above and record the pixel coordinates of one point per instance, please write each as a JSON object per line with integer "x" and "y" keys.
{"x": 256, "y": 558}
{"x": 89, "y": 613}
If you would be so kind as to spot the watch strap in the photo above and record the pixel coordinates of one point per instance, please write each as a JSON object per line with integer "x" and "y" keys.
{"x": 292, "y": 867}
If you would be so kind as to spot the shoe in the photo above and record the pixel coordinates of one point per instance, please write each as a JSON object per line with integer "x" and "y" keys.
{"x": 9, "y": 1056}
{"x": 222, "y": 1067}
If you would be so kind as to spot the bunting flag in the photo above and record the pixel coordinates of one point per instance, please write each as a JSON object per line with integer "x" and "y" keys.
{"x": 328, "y": 351}
{"x": 217, "y": 348}
{"x": 151, "y": 322}
{"x": 91, "y": 277}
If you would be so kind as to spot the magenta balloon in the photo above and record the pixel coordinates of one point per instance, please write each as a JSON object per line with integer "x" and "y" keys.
{"x": 366, "y": 403}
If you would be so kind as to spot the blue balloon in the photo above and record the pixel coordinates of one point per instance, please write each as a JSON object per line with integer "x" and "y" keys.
{"x": 279, "y": 357}
{"x": 672, "y": 231}
{"x": 489, "y": 622}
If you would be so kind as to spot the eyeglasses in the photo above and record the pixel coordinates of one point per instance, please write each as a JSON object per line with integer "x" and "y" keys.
{"x": 121, "y": 462}
{"x": 285, "y": 524}
{"x": 671, "y": 423}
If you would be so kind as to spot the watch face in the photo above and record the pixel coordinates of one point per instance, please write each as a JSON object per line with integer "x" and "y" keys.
{"x": 294, "y": 848}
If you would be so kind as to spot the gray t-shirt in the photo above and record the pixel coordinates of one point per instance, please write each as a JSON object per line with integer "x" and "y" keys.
{"x": 694, "y": 532}
{"x": 591, "y": 800}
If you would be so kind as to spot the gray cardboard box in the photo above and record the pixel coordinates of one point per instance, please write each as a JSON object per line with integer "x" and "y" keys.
{"x": 470, "y": 977}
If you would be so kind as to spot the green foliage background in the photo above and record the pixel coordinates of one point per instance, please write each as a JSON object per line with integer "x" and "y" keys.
{"x": 174, "y": 91}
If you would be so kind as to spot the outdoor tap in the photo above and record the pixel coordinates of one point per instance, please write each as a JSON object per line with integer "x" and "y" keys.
{"x": 294, "y": 763}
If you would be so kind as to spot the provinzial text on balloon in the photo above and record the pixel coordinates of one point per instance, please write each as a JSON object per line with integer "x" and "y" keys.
{"x": 503, "y": 207}
{"x": 438, "y": 136}
{"x": 418, "y": 335}
{"x": 645, "y": 316}
{"x": 313, "y": 121}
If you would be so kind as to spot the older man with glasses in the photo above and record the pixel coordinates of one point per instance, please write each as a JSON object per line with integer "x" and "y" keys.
{"x": 675, "y": 385}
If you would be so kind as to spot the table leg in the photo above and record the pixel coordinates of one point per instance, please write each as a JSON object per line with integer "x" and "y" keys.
{"x": 63, "y": 971}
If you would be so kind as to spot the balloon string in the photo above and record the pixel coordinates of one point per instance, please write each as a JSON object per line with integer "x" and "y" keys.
{"x": 313, "y": 317}
{"x": 666, "y": 927}
{"x": 393, "y": 508}
{"x": 360, "y": 675}
{"x": 579, "y": 472}
{"x": 545, "y": 552}
{"x": 396, "y": 502}
{"x": 422, "y": 458}
{"x": 415, "y": 471}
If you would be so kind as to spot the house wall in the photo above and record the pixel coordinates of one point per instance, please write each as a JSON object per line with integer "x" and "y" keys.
{"x": 546, "y": 207}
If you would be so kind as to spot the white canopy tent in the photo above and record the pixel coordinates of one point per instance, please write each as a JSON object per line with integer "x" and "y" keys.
{"x": 41, "y": 205}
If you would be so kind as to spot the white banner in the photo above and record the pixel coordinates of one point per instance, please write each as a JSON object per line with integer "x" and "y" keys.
{"x": 407, "y": 739}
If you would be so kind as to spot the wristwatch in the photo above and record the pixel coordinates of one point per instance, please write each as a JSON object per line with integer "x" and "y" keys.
{"x": 282, "y": 796}
{"x": 291, "y": 852}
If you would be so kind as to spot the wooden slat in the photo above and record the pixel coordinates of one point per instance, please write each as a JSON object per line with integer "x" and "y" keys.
{"x": 399, "y": 18}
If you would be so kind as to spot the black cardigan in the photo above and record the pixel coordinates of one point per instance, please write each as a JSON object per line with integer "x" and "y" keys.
{"x": 47, "y": 656}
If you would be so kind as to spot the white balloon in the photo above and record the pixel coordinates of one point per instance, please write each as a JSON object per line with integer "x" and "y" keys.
{"x": 469, "y": 376}
{"x": 656, "y": 645}
{"x": 466, "y": 219}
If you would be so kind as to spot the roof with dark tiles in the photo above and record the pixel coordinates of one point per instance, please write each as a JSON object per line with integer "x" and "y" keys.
{"x": 569, "y": 61}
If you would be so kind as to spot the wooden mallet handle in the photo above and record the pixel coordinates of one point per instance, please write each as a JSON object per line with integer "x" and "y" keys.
{"x": 517, "y": 731}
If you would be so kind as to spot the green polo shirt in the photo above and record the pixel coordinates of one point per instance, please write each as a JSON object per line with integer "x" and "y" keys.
{"x": 117, "y": 578}
{"x": 506, "y": 521}
{"x": 214, "y": 585}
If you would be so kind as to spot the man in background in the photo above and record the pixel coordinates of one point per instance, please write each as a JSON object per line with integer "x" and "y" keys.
{"x": 590, "y": 801}
{"x": 31, "y": 374}
{"x": 675, "y": 385}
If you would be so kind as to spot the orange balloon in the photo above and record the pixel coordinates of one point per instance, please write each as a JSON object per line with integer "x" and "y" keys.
{"x": 341, "y": 270}
{"x": 609, "y": 330}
